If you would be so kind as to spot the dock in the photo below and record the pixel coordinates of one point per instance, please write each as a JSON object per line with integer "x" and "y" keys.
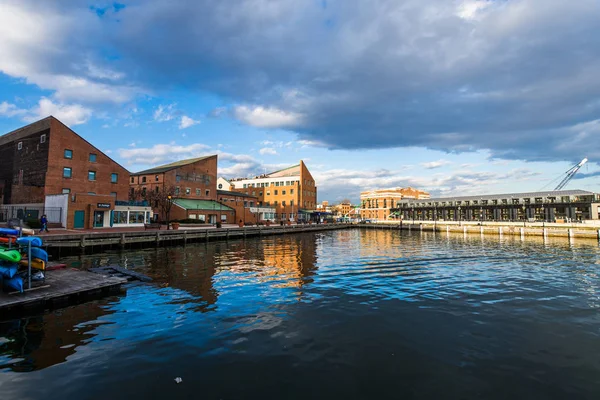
{"x": 62, "y": 287}
{"x": 89, "y": 242}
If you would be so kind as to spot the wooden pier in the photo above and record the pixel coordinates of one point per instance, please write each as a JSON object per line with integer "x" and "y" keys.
{"x": 61, "y": 288}
{"x": 88, "y": 242}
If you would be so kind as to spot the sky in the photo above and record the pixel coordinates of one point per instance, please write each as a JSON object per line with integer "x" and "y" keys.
{"x": 454, "y": 97}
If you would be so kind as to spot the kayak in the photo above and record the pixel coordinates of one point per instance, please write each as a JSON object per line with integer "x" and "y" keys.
{"x": 7, "y": 239}
{"x": 7, "y": 270}
{"x": 36, "y": 252}
{"x": 35, "y": 263}
{"x": 8, "y": 231}
{"x": 15, "y": 282}
{"x": 34, "y": 240}
{"x": 10, "y": 255}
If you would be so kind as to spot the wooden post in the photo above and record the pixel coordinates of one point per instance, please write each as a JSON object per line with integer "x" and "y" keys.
{"x": 545, "y": 230}
{"x": 122, "y": 240}
{"x": 571, "y": 234}
{"x": 522, "y": 233}
{"x": 157, "y": 238}
{"x": 227, "y": 233}
{"x": 465, "y": 229}
{"x": 184, "y": 237}
{"x": 500, "y": 231}
{"x": 206, "y": 234}
{"x": 82, "y": 241}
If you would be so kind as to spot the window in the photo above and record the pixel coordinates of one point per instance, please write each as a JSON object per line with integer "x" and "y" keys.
{"x": 198, "y": 192}
{"x": 67, "y": 172}
{"x": 283, "y": 216}
{"x": 287, "y": 183}
{"x": 92, "y": 193}
{"x": 251, "y": 204}
{"x": 92, "y": 175}
{"x": 68, "y": 154}
{"x": 283, "y": 203}
{"x": 144, "y": 192}
{"x": 188, "y": 191}
{"x": 207, "y": 192}
{"x": 283, "y": 192}
{"x": 254, "y": 193}
{"x": 268, "y": 192}
{"x": 245, "y": 186}
{"x": 92, "y": 157}
{"x": 276, "y": 183}
{"x": 155, "y": 178}
{"x": 245, "y": 204}
{"x": 114, "y": 178}
{"x": 143, "y": 179}
{"x": 291, "y": 191}
{"x": 19, "y": 145}
{"x": 291, "y": 202}
{"x": 220, "y": 186}
{"x": 43, "y": 138}
{"x": 275, "y": 202}
{"x": 276, "y": 192}
{"x": 223, "y": 217}
{"x": 132, "y": 179}
{"x": 66, "y": 190}
{"x": 260, "y": 193}
{"x": 113, "y": 194}
{"x": 177, "y": 191}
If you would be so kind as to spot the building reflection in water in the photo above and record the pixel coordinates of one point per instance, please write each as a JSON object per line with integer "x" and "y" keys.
{"x": 38, "y": 342}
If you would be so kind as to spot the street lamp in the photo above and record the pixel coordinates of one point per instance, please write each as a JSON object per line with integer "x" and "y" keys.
{"x": 168, "y": 210}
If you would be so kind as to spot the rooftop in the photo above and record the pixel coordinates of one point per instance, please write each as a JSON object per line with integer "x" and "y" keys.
{"x": 550, "y": 193}
{"x": 294, "y": 170}
{"x": 173, "y": 165}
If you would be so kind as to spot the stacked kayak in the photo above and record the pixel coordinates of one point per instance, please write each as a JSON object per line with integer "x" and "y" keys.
{"x": 19, "y": 253}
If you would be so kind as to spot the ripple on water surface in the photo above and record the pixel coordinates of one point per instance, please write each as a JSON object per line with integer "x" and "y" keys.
{"x": 353, "y": 314}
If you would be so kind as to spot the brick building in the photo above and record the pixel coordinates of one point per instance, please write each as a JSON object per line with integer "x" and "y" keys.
{"x": 53, "y": 170}
{"x": 194, "y": 183}
{"x": 291, "y": 191}
{"x": 376, "y": 204}
{"x": 247, "y": 209}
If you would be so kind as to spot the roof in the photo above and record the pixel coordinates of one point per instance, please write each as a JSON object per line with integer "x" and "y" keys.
{"x": 549, "y": 193}
{"x": 191, "y": 204}
{"x": 173, "y": 165}
{"x": 294, "y": 170}
{"x": 230, "y": 193}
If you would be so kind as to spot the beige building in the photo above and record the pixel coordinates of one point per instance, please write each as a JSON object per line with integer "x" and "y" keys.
{"x": 291, "y": 191}
{"x": 376, "y": 204}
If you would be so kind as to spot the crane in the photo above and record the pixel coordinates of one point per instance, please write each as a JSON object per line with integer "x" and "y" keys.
{"x": 570, "y": 173}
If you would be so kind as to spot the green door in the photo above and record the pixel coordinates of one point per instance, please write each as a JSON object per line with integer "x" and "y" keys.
{"x": 79, "y": 221}
{"x": 98, "y": 219}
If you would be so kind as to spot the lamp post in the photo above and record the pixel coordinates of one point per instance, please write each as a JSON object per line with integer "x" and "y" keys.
{"x": 481, "y": 216}
{"x": 459, "y": 215}
{"x": 169, "y": 211}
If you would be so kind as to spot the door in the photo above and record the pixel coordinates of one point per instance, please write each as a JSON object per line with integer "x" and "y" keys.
{"x": 79, "y": 221}
{"x": 98, "y": 219}
{"x": 212, "y": 219}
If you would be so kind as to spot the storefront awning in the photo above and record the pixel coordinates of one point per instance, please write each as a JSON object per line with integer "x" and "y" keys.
{"x": 206, "y": 205}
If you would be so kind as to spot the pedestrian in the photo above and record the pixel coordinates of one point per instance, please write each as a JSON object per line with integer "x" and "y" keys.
{"x": 44, "y": 223}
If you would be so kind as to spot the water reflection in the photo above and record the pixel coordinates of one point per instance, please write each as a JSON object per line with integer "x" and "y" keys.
{"x": 39, "y": 342}
{"x": 388, "y": 313}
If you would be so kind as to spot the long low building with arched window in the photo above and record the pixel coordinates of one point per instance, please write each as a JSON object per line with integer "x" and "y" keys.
{"x": 551, "y": 206}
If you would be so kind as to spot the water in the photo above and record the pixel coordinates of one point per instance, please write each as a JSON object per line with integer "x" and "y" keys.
{"x": 347, "y": 314}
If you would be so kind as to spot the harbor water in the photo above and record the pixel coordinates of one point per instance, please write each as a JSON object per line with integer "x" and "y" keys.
{"x": 352, "y": 314}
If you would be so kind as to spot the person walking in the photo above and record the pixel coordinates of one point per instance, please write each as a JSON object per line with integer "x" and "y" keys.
{"x": 44, "y": 222}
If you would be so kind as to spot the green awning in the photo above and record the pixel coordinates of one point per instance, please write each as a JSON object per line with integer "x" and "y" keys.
{"x": 209, "y": 205}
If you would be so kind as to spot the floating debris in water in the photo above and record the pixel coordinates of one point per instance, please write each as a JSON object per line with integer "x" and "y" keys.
{"x": 178, "y": 380}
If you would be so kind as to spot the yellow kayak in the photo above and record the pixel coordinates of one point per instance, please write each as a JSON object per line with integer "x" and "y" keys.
{"x": 35, "y": 263}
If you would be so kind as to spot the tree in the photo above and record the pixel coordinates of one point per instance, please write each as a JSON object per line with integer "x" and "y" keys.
{"x": 162, "y": 199}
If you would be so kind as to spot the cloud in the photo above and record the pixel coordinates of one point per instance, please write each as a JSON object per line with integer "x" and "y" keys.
{"x": 267, "y": 150}
{"x": 69, "y": 114}
{"x": 435, "y": 164}
{"x": 10, "y": 110}
{"x": 516, "y": 77}
{"x": 186, "y": 122}
{"x": 164, "y": 113}
{"x": 262, "y": 117}
{"x": 162, "y": 153}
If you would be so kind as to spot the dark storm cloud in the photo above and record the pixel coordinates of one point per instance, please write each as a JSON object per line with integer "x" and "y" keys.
{"x": 519, "y": 78}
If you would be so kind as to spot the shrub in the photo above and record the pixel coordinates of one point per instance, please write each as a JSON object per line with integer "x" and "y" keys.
{"x": 33, "y": 223}
{"x": 218, "y": 224}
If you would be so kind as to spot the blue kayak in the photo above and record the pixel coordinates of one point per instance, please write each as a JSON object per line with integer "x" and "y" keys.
{"x": 8, "y": 231}
{"x": 36, "y": 252}
{"x": 8, "y": 270}
{"x": 34, "y": 240}
{"x": 14, "y": 283}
